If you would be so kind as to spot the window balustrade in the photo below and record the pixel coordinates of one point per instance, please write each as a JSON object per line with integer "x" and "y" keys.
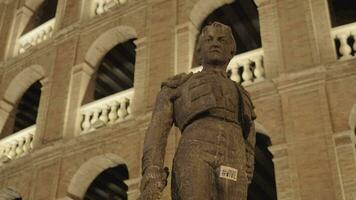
{"x": 245, "y": 68}
{"x": 345, "y": 39}
{"x": 17, "y": 144}
{"x": 36, "y": 36}
{"x": 109, "y": 110}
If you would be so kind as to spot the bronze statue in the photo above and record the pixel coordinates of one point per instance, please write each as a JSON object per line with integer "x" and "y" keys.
{"x": 215, "y": 156}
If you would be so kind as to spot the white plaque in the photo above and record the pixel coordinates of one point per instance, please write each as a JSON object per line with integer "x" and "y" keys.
{"x": 228, "y": 173}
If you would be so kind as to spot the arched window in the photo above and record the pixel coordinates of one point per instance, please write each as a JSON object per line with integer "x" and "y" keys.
{"x": 342, "y": 12}
{"x": 45, "y": 12}
{"x": 115, "y": 72}
{"x": 25, "y": 113}
{"x": 242, "y": 17}
{"x": 109, "y": 185}
{"x": 263, "y": 185}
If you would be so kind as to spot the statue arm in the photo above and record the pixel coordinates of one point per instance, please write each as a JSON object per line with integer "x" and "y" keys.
{"x": 250, "y": 152}
{"x": 154, "y": 175}
{"x": 250, "y": 142}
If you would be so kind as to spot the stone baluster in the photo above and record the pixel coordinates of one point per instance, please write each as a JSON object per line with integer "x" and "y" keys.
{"x": 246, "y": 74}
{"x": 259, "y": 70}
{"x": 345, "y": 50}
{"x": 27, "y": 146}
{"x": 106, "y": 5}
{"x": 122, "y": 1}
{"x": 95, "y": 118}
{"x": 7, "y": 150}
{"x": 235, "y": 76}
{"x": 122, "y": 112}
{"x": 12, "y": 151}
{"x": 86, "y": 122}
{"x": 43, "y": 35}
{"x": 33, "y": 41}
{"x": 104, "y": 114}
{"x": 113, "y": 111}
{"x": 19, "y": 147}
{"x": 22, "y": 49}
{"x": 99, "y": 7}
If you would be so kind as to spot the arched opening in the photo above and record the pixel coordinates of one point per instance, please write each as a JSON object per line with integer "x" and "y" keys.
{"x": 115, "y": 72}
{"x": 242, "y": 17}
{"x": 109, "y": 184}
{"x": 45, "y": 11}
{"x": 263, "y": 185}
{"x": 342, "y": 12}
{"x": 25, "y": 113}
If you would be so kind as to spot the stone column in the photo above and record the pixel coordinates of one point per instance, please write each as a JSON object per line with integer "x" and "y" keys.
{"x": 140, "y": 77}
{"x": 22, "y": 17}
{"x": 283, "y": 172}
{"x": 270, "y": 37}
{"x": 346, "y": 163}
{"x": 42, "y": 113}
{"x": 161, "y": 45}
{"x": 81, "y": 76}
{"x": 185, "y": 37}
{"x": 68, "y": 13}
{"x": 7, "y": 117}
{"x": 295, "y": 35}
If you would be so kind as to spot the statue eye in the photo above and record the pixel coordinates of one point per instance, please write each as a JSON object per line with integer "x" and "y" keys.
{"x": 222, "y": 39}
{"x": 209, "y": 39}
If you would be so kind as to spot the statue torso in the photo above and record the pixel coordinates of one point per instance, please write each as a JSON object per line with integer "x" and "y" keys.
{"x": 206, "y": 94}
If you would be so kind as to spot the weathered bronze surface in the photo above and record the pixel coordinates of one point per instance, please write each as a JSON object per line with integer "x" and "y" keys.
{"x": 215, "y": 156}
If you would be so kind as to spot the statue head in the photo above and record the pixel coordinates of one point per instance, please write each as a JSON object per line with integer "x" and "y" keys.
{"x": 216, "y": 45}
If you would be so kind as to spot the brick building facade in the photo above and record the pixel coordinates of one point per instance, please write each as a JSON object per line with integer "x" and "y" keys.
{"x": 302, "y": 84}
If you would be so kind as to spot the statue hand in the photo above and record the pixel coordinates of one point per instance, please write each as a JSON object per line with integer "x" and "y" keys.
{"x": 153, "y": 182}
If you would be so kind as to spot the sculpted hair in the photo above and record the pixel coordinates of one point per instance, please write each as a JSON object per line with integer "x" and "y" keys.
{"x": 222, "y": 27}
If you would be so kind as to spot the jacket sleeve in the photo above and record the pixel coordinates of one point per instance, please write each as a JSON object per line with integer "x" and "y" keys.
{"x": 157, "y": 132}
{"x": 250, "y": 141}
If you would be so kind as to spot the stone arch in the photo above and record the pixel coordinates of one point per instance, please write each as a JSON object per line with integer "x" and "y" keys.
{"x": 203, "y": 8}
{"x": 88, "y": 171}
{"x": 352, "y": 118}
{"x": 9, "y": 193}
{"x": 107, "y": 41}
{"x": 22, "y": 81}
{"x": 17, "y": 87}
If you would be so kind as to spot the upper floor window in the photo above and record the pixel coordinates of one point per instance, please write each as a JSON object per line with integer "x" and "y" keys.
{"x": 25, "y": 114}
{"x": 37, "y": 27}
{"x": 342, "y": 12}
{"x": 45, "y": 12}
{"x": 115, "y": 72}
{"x": 113, "y": 85}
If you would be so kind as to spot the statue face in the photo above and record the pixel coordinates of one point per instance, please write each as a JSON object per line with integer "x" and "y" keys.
{"x": 216, "y": 46}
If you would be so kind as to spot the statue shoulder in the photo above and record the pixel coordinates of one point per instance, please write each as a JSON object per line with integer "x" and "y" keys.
{"x": 177, "y": 80}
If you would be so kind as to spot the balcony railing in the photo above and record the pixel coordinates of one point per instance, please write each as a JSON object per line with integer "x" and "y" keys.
{"x": 109, "y": 110}
{"x": 245, "y": 68}
{"x": 36, "y": 36}
{"x": 102, "y": 6}
{"x": 17, "y": 144}
{"x": 344, "y": 35}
